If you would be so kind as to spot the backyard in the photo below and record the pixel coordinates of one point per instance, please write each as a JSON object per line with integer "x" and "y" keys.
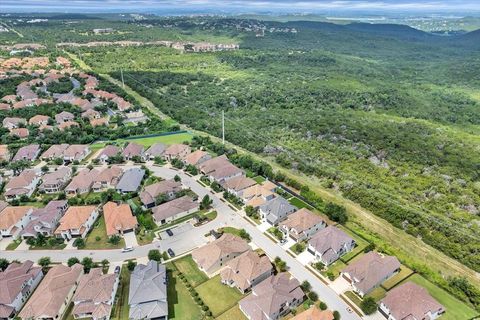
{"x": 217, "y": 296}
{"x": 180, "y": 303}
{"x": 148, "y": 141}
{"x": 97, "y": 238}
{"x": 189, "y": 268}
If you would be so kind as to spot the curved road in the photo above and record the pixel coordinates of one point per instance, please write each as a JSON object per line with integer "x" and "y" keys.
{"x": 191, "y": 238}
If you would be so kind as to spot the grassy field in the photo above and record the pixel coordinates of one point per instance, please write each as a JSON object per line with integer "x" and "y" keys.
{"x": 180, "y": 302}
{"x": 455, "y": 309}
{"x": 294, "y": 201}
{"x": 147, "y": 142}
{"x": 121, "y": 308}
{"x": 218, "y": 296}
{"x": 99, "y": 230}
{"x": 403, "y": 274}
{"x": 232, "y": 314}
{"x": 189, "y": 268}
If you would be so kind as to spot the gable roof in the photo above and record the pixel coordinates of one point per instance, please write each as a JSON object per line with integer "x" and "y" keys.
{"x": 239, "y": 183}
{"x": 131, "y": 180}
{"x": 29, "y": 152}
{"x": 95, "y": 286}
{"x": 11, "y": 215}
{"x": 118, "y": 217}
{"x": 302, "y": 220}
{"x": 329, "y": 239}
{"x": 156, "y": 150}
{"x": 176, "y": 206}
{"x": 55, "y": 151}
{"x": 75, "y": 218}
{"x": 314, "y": 313}
{"x": 175, "y": 150}
{"x": 51, "y": 293}
{"x": 227, "y": 244}
{"x": 410, "y": 301}
{"x": 13, "y": 278}
{"x": 75, "y": 151}
{"x": 109, "y": 151}
{"x": 133, "y": 149}
{"x": 152, "y": 191}
{"x": 371, "y": 269}
{"x": 38, "y": 119}
{"x": 195, "y": 157}
{"x": 83, "y": 180}
{"x": 245, "y": 268}
{"x": 214, "y": 163}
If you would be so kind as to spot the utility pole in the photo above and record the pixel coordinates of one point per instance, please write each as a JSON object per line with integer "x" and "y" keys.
{"x": 123, "y": 82}
{"x": 223, "y": 126}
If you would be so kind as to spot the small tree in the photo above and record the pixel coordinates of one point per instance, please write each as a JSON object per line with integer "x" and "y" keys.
{"x": 79, "y": 243}
{"x": 72, "y": 261}
{"x": 44, "y": 169}
{"x": 206, "y": 202}
{"x": 177, "y": 178}
{"x": 336, "y": 315}
{"x": 250, "y": 211}
{"x": 88, "y": 264}
{"x": 115, "y": 239}
{"x": 244, "y": 234}
{"x": 105, "y": 263}
{"x": 306, "y": 286}
{"x": 155, "y": 255}
{"x": 44, "y": 262}
{"x": 3, "y": 264}
{"x": 323, "y": 306}
{"x": 131, "y": 265}
{"x": 313, "y": 296}
{"x": 368, "y": 305}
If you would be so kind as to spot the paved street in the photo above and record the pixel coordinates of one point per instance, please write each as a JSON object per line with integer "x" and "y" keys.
{"x": 191, "y": 238}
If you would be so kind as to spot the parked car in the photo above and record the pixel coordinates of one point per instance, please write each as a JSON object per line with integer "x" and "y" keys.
{"x": 127, "y": 249}
{"x": 169, "y": 232}
{"x": 171, "y": 253}
{"x": 117, "y": 269}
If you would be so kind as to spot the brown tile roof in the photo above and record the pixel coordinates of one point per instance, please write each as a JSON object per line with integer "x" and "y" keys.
{"x": 50, "y": 295}
{"x": 133, "y": 149}
{"x": 225, "y": 171}
{"x": 99, "y": 122}
{"x": 239, "y": 183}
{"x": 76, "y": 151}
{"x": 256, "y": 191}
{"x": 93, "y": 289}
{"x": 208, "y": 255}
{"x": 118, "y": 217}
{"x": 109, "y": 151}
{"x": 152, "y": 191}
{"x": 55, "y": 151}
{"x": 410, "y": 301}
{"x": 214, "y": 163}
{"x": 270, "y": 295}
{"x": 25, "y": 178}
{"x": 4, "y": 106}
{"x": 11, "y": 215}
{"x": 176, "y": 206}
{"x": 302, "y": 220}
{"x": 245, "y": 268}
{"x": 64, "y": 116}
{"x": 82, "y": 181}
{"x": 75, "y": 218}
{"x": 175, "y": 150}
{"x": 67, "y": 124}
{"x": 13, "y": 279}
{"x": 20, "y": 132}
{"x": 194, "y": 157}
{"x": 29, "y": 152}
{"x": 38, "y": 119}
{"x": 371, "y": 269}
{"x": 313, "y": 313}
{"x": 14, "y": 121}
{"x": 109, "y": 175}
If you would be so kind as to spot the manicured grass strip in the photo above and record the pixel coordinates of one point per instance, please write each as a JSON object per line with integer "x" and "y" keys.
{"x": 353, "y": 297}
{"x": 217, "y": 296}
{"x": 404, "y": 273}
{"x": 179, "y": 220}
{"x": 49, "y": 247}
{"x": 189, "y": 268}
{"x": 232, "y": 314}
{"x": 99, "y": 230}
{"x": 13, "y": 245}
{"x": 377, "y": 294}
{"x": 456, "y": 309}
{"x": 361, "y": 245}
{"x": 335, "y": 268}
{"x": 259, "y": 179}
{"x": 180, "y": 302}
{"x": 121, "y": 307}
{"x": 299, "y": 203}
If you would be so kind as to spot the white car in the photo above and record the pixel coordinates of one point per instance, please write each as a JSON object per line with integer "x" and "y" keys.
{"x": 127, "y": 249}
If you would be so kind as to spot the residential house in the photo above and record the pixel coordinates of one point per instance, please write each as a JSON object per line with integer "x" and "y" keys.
{"x": 95, "y": 295}
{"x": 45, "y": 220}
{"x": 67, "y": 125}
{"x": 369, "y": 271}
{"x": 108, "y": 178}
{"x": 99, "y": 122}
{"x": 63, "y": 117}
{"x": 196, "y": 158}
{"x": 17, "y": 281}
{"x": 212, "y": 257}
{"x": 329, "y": 244}
{"x": 76, "y": 152}
{"x": 276, "y": 210}
{"x": 175, "y": 209}
{"x": 169, "y": 188}
{"x": 314, "y": 313}
{"x": 302, "y": 225}
{"x": 237, "y": 185}
{"x": 272, "y": 298}
{"x": 246, "y": 271}
{"x": 147, "y": 296}
{"x": 176, "y": 151}
{"x": 410, "y": 301}
{"x": 118, "y": 218}
{"x": 22, "y": 185}
{"x": 4, "y": 153}
{"x": 225, "y": 172}
{"x": 122, "y": 105}
{"x": 133, "y": 150}
{"x": 13, "y": 220}
{"x": 211, "y": 165}
{"x": 81, "y": 183}
{"x": 107, "y": 152}
{"x": 21, "y": 133}
{"x": 27, "y": 153}
{"x": 55, "y": 181}
{"x": 76, "y": 222}
{"x": 131, "y": 180}
{"x": 155, "y": 150}
{"x": 3, "y": 205}
{"x": 91, "y": 114}
{"x": 53, "y": 295}
{"x": 39, "y": 120}
{"x": 13, "y": 122}
{"x": 56, "y": 151}
{"x": 257, "y": 195}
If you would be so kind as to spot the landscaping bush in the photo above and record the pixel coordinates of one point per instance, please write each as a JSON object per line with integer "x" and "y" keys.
{"x": 312, "y": 296}
{"x": 368, "y": 305}
{"x": 323, "y": 306}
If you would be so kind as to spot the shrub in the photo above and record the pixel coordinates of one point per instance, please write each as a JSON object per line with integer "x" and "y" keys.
{"x": 336, "y": 315}
{"x": 312, "y": 296}
{"x": 368, "y": 305}
{"x": 323, "y": 306}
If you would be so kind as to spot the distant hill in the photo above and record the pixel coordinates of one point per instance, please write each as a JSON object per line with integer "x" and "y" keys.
{"x": 395, "y": 30}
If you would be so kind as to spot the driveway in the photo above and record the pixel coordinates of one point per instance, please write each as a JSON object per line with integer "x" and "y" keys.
{"x": 130, "y": 239}
{"x": 70, "y": 245}
{"x": 305, "y": 258}
{"x": 23, "y": 246}
{"x": 264, "y": 226}
{"x": 287, "y": 245}
{"x": 340, "y": 285}
{"x": 5, "y": 242}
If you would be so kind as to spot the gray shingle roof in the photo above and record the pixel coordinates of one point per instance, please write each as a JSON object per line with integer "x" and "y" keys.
{"x": 131, "y": 180}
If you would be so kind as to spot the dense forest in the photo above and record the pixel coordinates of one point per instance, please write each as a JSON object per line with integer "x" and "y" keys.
{"x": 388, "y": 119}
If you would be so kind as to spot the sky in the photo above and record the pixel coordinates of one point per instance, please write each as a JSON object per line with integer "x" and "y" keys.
{"x": 240, "y": 5}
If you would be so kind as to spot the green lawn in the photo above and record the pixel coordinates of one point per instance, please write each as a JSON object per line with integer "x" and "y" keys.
{"x": 335, "y": 268}
{"x": 13, "y": 245}
{"x": 120, "y": 309}
{"x": 298, "y": 247}
{"x": 294, "y": 201}
{"x": 211, "y": 215}
{"x": 68, "y": 313}
{"x": 390, "y": 283}
{"x": 354, "y": 297}
{"x": 49, "y": 247}
{"x": 217, "y": 296}
{"x": 170, "y": 139}
{"x": 377, "y": 294}
{"x": 189, "y": 268}
{"x": 456, "y": 309}
{"x": 232, "y": 314}
{"x": 259, "y": 179}
{"x": 99, "y": 230}
{"x": 145, "y": 236}
{"x": 361, "y": 244}
{"x": 230, "y": 230}
{"x": 180, "y": 303}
